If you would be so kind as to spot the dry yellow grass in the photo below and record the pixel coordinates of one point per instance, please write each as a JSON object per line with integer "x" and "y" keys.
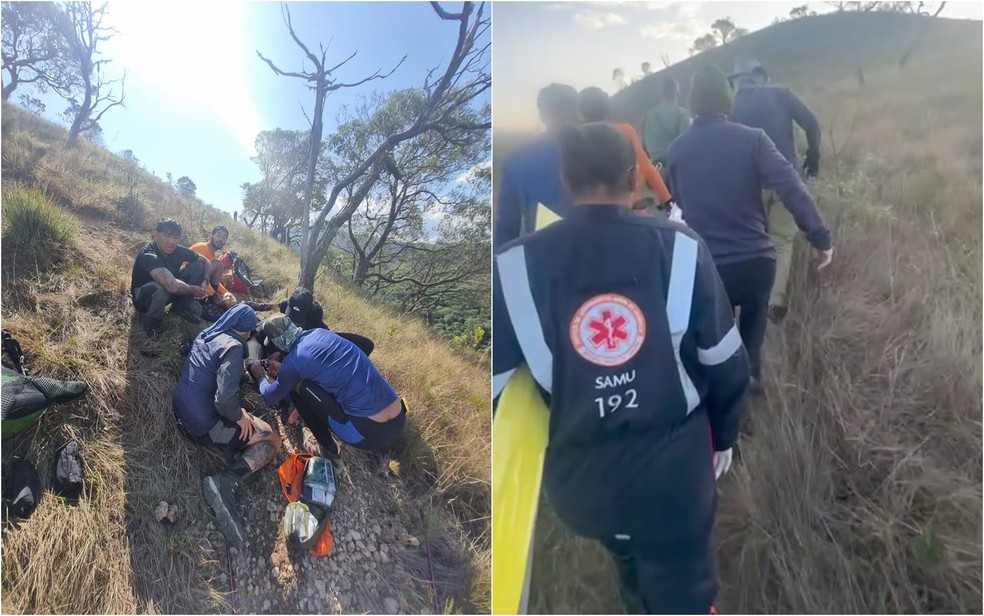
{"x": 860, "y": 489}
{"x": 107, "y": 554}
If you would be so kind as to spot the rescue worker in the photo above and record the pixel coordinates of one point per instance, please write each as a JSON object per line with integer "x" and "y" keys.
{"x": 595, "y": 304}
{"x": 664, "y": 122}
{"x": 717, "y": 171}
{"x": 207, "y": 408}
{"x": 595, "y": 107}
{"x": 774, "y": 109}
{"x": 531, "y": 175}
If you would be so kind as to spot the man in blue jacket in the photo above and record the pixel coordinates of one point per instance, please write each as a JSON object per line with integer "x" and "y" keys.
{"x": 774, "y": 109}
{"x": 334, "y": 385}
{"x": 531, "y": 175}
{"x": 717, "y": 171}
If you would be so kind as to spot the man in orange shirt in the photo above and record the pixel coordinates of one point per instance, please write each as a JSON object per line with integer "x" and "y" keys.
{"x": 595, "y": 108}
{"x": 216, "y": 241}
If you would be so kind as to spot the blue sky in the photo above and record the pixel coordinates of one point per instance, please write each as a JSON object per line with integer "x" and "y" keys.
{"x": 197, "y": 94}
{"x": 581, "y": 43}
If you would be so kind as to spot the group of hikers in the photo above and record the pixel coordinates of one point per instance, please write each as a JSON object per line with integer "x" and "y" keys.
{"x": 297, "y": 363}
{"x": 627, "y": 319}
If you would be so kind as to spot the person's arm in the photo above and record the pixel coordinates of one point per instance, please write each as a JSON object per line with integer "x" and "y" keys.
{"x": 807, "y": 120}
{"x": 275, "y": 391}
{"x": 649, "y": 170}
{"x": 506, "y": 352}
{"x": 778, "y": 174}
{"x": 508, "y": 211}
{"x": 722, "y": 356}
{"x": 172, "y": 285}
{"x": 228, "y": 378}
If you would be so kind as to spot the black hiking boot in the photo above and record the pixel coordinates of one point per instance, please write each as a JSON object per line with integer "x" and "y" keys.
{"x": 218, "y": 494}
{"x": 189, "y": 315}
{"x": 152, "y": 328}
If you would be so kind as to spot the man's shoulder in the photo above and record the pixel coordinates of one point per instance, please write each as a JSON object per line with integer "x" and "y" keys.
{"x": 537, "y": 149}
{"x": 536, "y": 238}
{"x": 200, "y": 248}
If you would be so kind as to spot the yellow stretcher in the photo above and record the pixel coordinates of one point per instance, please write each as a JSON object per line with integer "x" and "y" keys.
{"x": 519, "y": 443}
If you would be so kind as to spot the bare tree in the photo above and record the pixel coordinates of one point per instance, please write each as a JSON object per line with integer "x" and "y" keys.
{"x": 34, "y": 48}
{"x": 321, "y": 79}
{"x": 465, "y": 78}
{"x": 84, "y": 33}
{"x": 665, "y": 59}
{"x": 703, "y": 43}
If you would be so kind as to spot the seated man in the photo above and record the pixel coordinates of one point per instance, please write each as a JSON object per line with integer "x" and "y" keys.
{"x": 219, "y": 297}
{"x": 334, "y": 386}
{"x": 159, "y": 279}
{"x": 216, "y": 241}
{"x": 206, "y": 406}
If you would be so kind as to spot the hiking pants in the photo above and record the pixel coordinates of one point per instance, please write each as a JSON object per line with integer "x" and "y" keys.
{"x": 151, "y": 299}
{"x": 748, "y": 284}
{"x": 261, "y": 449}
{"x": 323, "y": 414}
{"x": 782, "y": 230}
{"x": 665, "y": 577}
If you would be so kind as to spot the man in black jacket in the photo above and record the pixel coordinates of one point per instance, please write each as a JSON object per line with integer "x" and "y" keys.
{"x": 629, "y": 334}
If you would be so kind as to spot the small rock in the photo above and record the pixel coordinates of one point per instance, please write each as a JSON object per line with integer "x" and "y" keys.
{"x": 362, "y": 546}
{"x": 383, "y": 557}
{"x": 383, "y": 547}
{"x": 172, "y": 513}
{"x": 355, "y": 535}
{"x": 391, "y": 605}
{"x": 267, "y": 605}
{"x": 160, "y": 511}
{"x": 413, "y": 541}
{"x": 275, "y": 572}
{"x": 376, "y": 529}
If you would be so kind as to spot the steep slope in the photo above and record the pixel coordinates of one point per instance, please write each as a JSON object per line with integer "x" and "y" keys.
{"x": 412, "y": 536}
{"x": 859, "y": 489}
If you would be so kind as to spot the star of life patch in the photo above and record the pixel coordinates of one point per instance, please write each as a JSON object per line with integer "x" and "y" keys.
{"x": 608, "y": 329}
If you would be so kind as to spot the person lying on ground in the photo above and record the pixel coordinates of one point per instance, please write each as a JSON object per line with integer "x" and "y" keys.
{"x": 334, "y": 386}
{"x": 595, "y": 107}
{"x": 717, "y": 171}
{"x": 306, "y": 312}
{"x": 207, "y": 409}
{"x": 159, "y": 279}
{"x": 594, "y": 305}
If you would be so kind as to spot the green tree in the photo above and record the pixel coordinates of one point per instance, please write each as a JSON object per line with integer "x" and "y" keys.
{"x": 35, "y": 50}
{"x": 185, "y": 186}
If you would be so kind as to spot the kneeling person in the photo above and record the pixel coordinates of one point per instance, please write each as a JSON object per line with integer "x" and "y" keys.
{"x": 334, "y": 385}
{"x": 206, "y": 405}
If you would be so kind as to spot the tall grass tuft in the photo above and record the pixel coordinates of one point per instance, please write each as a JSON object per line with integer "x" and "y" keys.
{"x": 35, "y": 231}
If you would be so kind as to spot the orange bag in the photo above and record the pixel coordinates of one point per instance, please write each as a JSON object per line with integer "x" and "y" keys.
{"x": 291, "y": 474}
{"x": 325, "y": 542}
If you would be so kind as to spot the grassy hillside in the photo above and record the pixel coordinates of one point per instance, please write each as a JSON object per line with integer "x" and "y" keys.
{"x": 108, "y": 554}
{"x": 860, "y": 489}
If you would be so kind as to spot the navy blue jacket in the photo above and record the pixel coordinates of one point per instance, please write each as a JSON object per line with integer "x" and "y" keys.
{"x": 718, "y": 170}
{"x": 774, "y": 109}
{"x": 208, "y": 389}
{"x": 629, "y": 334}
{"x": 531, "y": 177}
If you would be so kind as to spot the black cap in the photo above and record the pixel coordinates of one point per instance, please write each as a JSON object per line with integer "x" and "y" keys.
{"x": 299, "y": 305}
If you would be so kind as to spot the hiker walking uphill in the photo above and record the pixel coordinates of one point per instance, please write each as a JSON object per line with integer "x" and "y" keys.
{"x": 664, "y": 122}
{"x": 159, "y": 279}
{"x": 717, "y": 171}
{"x": 335, "y": 387}
{"x": 531, "y": 187}
{"x": 595, "y": 107}
{"x": 206, "y": 406}
{"x": 774, "y": 109}
{"x": 595, "y": 305}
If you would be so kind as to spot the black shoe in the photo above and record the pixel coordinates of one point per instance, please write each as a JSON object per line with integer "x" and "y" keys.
{"x": 218, "y": 494}
{"x": 190, "y": 316}
{"x": 152, "y": 328}
{"x": 777, "y": 314}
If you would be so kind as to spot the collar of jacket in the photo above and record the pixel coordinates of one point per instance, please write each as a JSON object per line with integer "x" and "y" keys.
{"x": 601, "y": 210}
{"x": 710, "y": 119}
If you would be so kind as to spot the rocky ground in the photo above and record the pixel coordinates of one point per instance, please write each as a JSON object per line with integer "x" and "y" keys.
{"x": 374, "y": 567}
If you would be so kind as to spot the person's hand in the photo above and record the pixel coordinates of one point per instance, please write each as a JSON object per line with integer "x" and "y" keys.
{"x": 811, "y": 166}
{"x": 722, "y": 462}
{"x": 821, "y": 258}
{"x": 256, "y": 369}
{"x": 199, "y": 292}
{"x": 246, "y": 426}
{"x": 272, "y": 368}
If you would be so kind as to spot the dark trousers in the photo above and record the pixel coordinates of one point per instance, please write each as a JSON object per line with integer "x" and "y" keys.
{"x": 316, "y": 405}
{"x": 749, "y": 284}
{"x": 151, "y": 299}
{"x": 666, "y": 577}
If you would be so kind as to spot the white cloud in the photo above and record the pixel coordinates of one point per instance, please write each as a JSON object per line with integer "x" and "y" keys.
{"x": 469, "y": 175}
{"x": 639, "y": 6}
{"x": 673, "y": 31}
{"x": 594, "y": 21}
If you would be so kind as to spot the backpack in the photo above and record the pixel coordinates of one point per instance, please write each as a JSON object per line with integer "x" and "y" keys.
{"x": 21, "y": 489}
{"x": 68, "y": 471}
{"x": 308, "y": 483}
{"x": 243, "y": 280}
